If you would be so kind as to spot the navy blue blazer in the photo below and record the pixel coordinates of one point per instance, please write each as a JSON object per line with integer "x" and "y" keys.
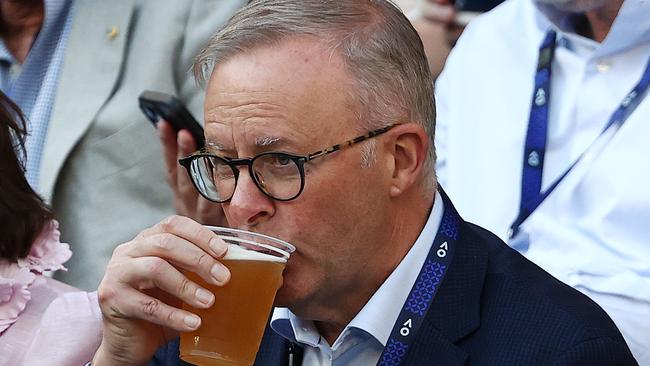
{"x": 494, "y": 307}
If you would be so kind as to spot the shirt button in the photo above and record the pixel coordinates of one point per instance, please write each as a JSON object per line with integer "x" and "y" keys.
{"x": 603, "y": 66}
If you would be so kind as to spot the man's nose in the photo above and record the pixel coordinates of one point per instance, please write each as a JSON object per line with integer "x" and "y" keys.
{"x": 249, "y": 205}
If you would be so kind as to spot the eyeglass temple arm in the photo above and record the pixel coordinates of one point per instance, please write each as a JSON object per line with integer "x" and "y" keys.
{"x": 349, "y": 143}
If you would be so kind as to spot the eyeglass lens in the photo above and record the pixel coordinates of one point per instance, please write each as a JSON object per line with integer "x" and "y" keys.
{"x": 276, "y": 174}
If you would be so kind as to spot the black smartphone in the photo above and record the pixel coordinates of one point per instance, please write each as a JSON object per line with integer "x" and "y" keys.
{"x": 156, "y": 106}
{"x": 470, "y": 9}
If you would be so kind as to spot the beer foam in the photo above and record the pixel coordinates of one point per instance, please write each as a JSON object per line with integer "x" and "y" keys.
{"x": 235, "y": 252}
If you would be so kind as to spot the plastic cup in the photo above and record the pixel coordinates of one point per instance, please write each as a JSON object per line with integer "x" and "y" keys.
{"x": 231, "y": 330}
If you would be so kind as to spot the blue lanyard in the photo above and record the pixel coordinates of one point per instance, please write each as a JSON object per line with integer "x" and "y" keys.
{"x": 423, "y": 291}
{"x": 533, "y": 164}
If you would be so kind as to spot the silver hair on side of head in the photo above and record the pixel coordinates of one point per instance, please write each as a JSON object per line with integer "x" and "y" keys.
{"x": 377, "y": 43}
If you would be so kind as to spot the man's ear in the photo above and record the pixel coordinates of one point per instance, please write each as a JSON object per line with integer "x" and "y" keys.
{"x": 408, "y": 147}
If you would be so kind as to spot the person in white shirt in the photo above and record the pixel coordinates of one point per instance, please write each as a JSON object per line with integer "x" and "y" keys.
{"x": 592, "y": 229}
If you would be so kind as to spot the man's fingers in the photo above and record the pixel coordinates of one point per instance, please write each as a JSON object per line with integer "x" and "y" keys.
{"x": 150, "y": 309}
{"x": 182, "y": 254}
{"x": 185, "y": 190}
{"x": 191, "y": 231}
{"x": 184, "y": 187}
{"x": 156, "y": 273}
{"x": 170, "y": 149}
{"x": 186, "y": 143}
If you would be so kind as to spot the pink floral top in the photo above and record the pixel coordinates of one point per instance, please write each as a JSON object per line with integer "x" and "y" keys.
{"x": 43, "y": 321}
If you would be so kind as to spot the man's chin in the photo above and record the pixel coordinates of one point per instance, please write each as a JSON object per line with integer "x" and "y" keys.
{"x": 282, "y": 298}
{"x": 290, "y": 297}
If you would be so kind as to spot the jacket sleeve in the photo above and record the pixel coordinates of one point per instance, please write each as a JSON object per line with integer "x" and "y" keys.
{"x": 167, "y": 355}
{"x": 159, "y": 358}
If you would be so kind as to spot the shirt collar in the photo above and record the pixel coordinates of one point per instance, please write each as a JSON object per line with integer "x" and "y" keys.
{"x": 630, "y": 28}
{"x": 288, "y": 325}
{"x": 6, "y": 56}
{"x": 380, "y": 313}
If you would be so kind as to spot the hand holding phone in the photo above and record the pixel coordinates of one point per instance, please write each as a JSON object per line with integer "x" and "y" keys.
{"x": 157, "y": 105}
{"x": 180, "y": 135}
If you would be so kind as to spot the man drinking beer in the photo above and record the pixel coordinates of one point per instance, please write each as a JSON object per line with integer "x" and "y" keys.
{"x": 319, "y": 121}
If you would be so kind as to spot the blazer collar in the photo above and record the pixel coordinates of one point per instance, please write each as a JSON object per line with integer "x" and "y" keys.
{"x": 89, "y": 73}
{"x": 455, "y": 311}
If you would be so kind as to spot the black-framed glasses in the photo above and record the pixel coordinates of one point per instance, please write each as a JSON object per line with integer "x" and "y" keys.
{"x": 280, "y": 176}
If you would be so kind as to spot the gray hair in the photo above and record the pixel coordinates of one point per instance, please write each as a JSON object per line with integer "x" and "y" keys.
{"x": 379, "y": 46}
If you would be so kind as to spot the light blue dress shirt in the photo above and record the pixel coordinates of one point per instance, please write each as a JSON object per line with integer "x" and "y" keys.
{"x": 363, "y": 340}
{"x": 32, "y": 85}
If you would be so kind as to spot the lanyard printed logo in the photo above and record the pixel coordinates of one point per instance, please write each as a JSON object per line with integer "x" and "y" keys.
{"x": 533, "y": 162}
{"x": 424, "y": 290}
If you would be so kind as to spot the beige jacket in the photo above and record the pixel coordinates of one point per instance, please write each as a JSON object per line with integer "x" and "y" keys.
{"x": 102, "y": 167}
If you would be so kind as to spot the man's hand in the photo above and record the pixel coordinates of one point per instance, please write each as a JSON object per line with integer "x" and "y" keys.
{"x": 187, "y": 200}
{"x": 143, "y": 286}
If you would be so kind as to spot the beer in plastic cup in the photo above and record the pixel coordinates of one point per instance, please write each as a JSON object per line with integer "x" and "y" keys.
{"x": 231, "y": 330}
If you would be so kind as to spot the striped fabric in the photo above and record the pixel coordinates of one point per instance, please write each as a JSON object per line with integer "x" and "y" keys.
{"x": 33, "y": 84}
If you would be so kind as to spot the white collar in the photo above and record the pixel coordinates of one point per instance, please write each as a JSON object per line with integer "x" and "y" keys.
{"x": 380, "y": 313}
{"x": 630, "y": 28}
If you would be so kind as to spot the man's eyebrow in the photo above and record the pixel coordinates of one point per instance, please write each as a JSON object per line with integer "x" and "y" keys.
{"x": 267, "y": 141}
{"x": 215, "y": 146}
{"x": 260, "y": 142}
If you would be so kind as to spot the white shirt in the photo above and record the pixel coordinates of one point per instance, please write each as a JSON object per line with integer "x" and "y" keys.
{"x": 363, "y": 340}
{"x": 593, "y": 231}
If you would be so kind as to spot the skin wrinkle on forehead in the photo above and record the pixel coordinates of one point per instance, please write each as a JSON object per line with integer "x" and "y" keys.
{"x": 237, "y": 104}
{"x": 243, "y": 109}
{"x": 240, "y": 111}
{"x": 256, "y": 118}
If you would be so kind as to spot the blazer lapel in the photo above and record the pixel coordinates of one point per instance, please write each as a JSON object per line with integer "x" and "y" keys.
{"x": 455, "y": 311}
{"x": 94, "y": 56}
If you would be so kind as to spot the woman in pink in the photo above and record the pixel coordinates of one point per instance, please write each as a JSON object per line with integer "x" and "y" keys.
{"x": 42, "y": 321}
